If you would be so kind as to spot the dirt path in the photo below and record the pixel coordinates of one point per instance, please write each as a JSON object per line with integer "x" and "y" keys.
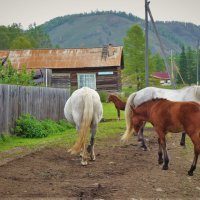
{"x": 119, "y": 172}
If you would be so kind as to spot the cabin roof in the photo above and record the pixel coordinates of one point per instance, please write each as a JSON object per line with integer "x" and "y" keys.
{"x": 161, "y": 75}
{"x": 65, "y": 58}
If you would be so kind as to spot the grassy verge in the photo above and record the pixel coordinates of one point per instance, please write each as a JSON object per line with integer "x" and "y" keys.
{"x": 109, "y": 128}
{"x": 105, "y": 129}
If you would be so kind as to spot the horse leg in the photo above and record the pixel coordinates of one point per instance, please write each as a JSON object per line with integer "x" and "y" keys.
{"x": 162, "y": 141}
{"x": 90, "y": 147}
{"x": 182, "y": 142}
{"x": 141, "y": 137}
{"x": 118, "y": 114}
{"x": 84, "y": 155}
{"x": 196, "y": 141}
{"x": 193, "y": 166}
{"x": 160, "y": 154}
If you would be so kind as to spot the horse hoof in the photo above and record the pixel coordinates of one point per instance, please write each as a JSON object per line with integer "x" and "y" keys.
{"x": 160, "y": 161}
{"x": 165, "y": 167}
{"x": 83, "y": 163}
{"x": 183, "y": 145}
{"x": 190, "y": 173}
{"x": 144, "y": 148}
{"x": 93, "y": 158}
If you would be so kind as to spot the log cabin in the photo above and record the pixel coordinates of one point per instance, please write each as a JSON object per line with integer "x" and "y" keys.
{"x": 98, "y": 68}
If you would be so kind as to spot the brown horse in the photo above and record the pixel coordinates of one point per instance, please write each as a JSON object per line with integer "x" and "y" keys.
{"x": 168, "y": 116}
{"x": 119, "y": 104}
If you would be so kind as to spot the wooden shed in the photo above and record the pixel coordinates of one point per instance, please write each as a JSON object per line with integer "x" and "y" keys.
{"x": 97, "y": 68}
{"x": 164, "y": 77}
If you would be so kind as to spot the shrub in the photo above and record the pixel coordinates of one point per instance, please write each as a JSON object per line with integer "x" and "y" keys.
{"x": 65, "y": 125}
{"x": 103, "y": 96}
{"x": 53, "y": 127}
{"x": 50, "y": 126}
{"x": 29, "y": 127}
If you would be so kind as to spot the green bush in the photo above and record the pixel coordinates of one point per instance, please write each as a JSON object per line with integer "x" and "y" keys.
{"x": 55, "y": 127}
{"x": 10, "y": 75}
{"x": 29, "y": 127}
{"x": 103, "y": 96}
{"x": 50, "y": 126}
{"x": 65, "y": 125}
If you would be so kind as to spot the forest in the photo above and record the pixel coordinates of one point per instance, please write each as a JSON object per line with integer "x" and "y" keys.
{"x": 14, "y": 37}
{"x": 185, "y": 61}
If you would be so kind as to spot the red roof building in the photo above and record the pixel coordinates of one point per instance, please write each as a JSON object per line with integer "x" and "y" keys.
{"x": 163, "y": 76}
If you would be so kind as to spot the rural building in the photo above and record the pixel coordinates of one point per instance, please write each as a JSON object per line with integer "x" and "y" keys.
{"x": 164, "y": 77}
{"x": 97, "y": 68}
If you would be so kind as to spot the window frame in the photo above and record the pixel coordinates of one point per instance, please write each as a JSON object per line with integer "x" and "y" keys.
{"x": 92, "y": 85}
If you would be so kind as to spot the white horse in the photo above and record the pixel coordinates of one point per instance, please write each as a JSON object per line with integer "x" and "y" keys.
{"x": 84, "y": 109}
{"x": 190, "y": 93}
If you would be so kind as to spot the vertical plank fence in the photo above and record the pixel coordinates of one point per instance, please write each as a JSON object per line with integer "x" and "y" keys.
{"x": 40, "y": 102}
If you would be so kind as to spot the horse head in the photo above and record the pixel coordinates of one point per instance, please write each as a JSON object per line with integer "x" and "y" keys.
{"x": 137, "y": 119}
{"x": 110, "y": 98}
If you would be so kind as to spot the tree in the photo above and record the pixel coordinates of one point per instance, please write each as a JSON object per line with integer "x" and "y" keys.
{"x": 4, "y": 41}
{"x": 9, "y": 75}
{"x": 38, "y": 37}
{"x": 134, "y": 46}
{"x": 14, "y": 37}
{"x": 21, "y": 42}
{"x": 183, "y": 67}
{"x": 191, "y": 75}
{"x": 156, "y": 63}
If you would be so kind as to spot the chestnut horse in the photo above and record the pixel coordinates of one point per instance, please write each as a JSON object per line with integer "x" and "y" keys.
{"x": 190, "y": 93}
{"x": 84, "y": 109}
{"x": 168, "y": 116}
{"x": 119, "y": 104}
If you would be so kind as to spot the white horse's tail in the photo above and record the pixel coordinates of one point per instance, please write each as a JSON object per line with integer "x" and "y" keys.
{"x": 85, "y": 124}
{"x": 128, "y": 117}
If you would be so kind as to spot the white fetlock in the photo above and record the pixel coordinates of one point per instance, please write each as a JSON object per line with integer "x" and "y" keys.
{"x": 84, "y": 162}
{"x": 93, "y": 158}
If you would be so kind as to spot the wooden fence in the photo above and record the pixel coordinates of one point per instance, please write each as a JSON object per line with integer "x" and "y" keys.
{"x": 40, "y": 102}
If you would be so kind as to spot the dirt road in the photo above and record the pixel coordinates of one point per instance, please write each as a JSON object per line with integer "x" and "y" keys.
{"x": 119, "y": 172}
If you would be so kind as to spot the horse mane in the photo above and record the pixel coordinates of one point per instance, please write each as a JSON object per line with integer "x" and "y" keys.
{"x": 155, "y": 99}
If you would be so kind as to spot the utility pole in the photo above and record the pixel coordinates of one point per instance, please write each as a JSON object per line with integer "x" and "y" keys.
{"x": 172, "y": 69}
{"x": 198, "y": 62}
{"x": 146, "y": 44}
{"x": 147, "y": 9}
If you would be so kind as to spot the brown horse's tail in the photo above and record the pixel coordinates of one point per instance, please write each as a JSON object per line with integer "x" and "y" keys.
{"x": 85, "y": 124}
{"x": 128, "y": 117}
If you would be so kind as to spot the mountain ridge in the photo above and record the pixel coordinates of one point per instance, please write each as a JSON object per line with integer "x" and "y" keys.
{"x": 97, "y": 29}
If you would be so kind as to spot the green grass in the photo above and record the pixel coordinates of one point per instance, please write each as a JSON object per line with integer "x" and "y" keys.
{"x": 109, "y": 128}
{"x": 105, "y": 129}
{"x": 110, "y": 112}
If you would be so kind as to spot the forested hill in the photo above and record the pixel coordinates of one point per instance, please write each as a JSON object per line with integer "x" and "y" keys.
{"x": 100, "y": 28}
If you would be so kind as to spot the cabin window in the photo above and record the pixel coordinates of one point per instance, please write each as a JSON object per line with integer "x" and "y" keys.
{"x": 88, "y": 80}
{"x": 105, "y": 73}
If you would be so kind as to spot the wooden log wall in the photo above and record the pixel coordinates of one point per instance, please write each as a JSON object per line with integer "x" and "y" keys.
{"x": 110, "y": 82}
{"x": 40, "y": 102}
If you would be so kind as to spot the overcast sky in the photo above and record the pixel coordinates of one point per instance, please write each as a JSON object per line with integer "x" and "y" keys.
{"x": 39, "y": 11}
